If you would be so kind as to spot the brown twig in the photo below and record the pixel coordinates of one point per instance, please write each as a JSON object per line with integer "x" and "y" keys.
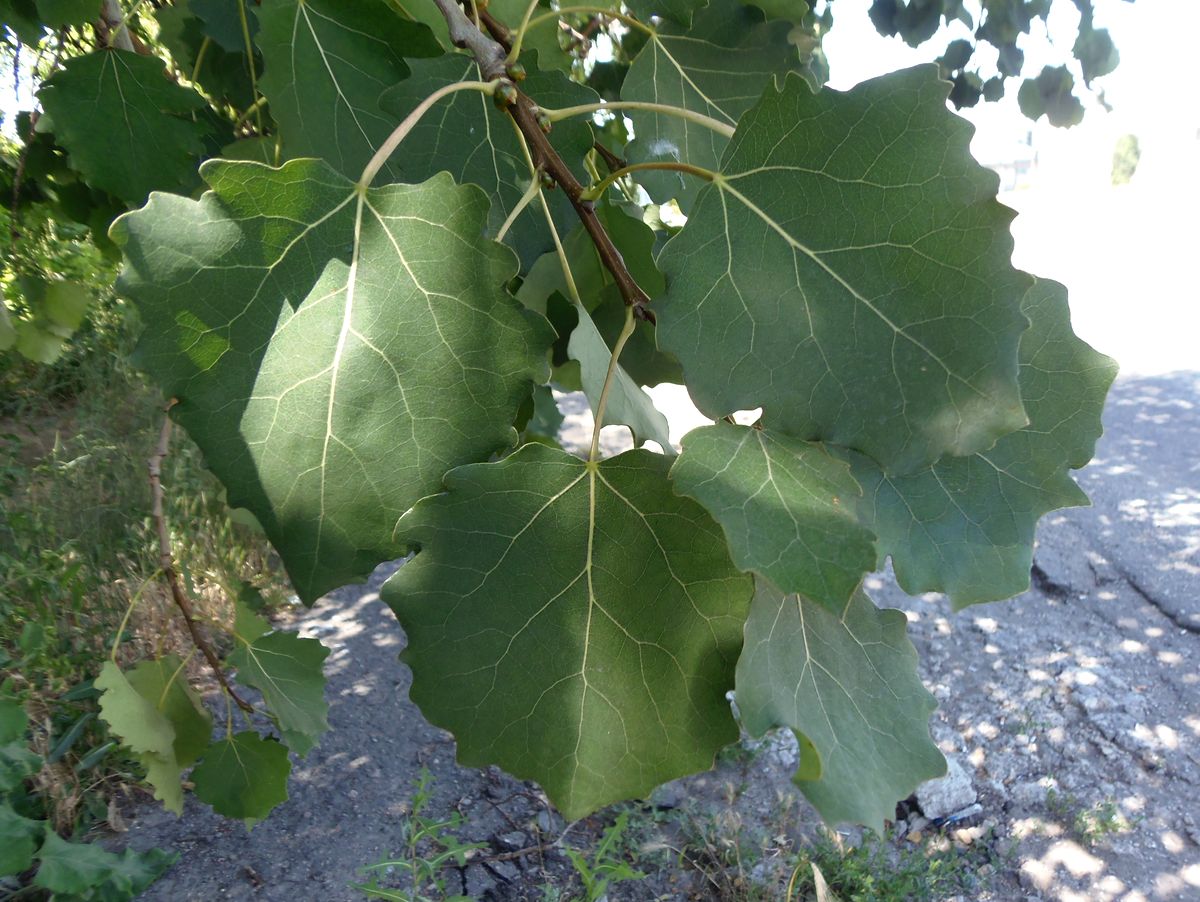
{"x": 167, "y": 563}
{"x": 490, "y": 54}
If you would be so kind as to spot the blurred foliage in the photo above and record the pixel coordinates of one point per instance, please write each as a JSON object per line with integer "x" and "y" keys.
{"x": 1126, "y": 156}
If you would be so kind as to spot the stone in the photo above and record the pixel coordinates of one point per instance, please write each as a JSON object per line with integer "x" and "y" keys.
{"x": 946, "y": 795}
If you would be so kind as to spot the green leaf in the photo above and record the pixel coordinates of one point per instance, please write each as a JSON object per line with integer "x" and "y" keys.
{"x": 287, "y": 671}
{"x": 16, "y": 763}
{"x": 163, "y": 683}
{"x": 223, "y": 21}
{"x": 139, "y": 723}
{"x": 326, "y": 64}
{"x": 717, "y": 68}
{"x": 13, "y": 721}
{"x": 23, "y": 18}
{"x": 848, "y": 272}
{"x": 125, "y": 123}
{"x": 965, "y": 526}
{"x": 57, "y": 13}
{"x": 243, "y": 777}
{"x": 575, "y": 623}
{"x": 8, "y": 333}
{"x": 786, "y": 507}
{"x": 247, "y": 624}
{"x": 71, "y": 868}
{"x": 257, "y": 150}
{"x": 18, "y": 839}
{"x": 145, "y": 716}
{"x": 1051, "y": 94}
{"x": 467, "y": 136}
{"x": 1096, "y": 53}
{"x": 847, "y": 685}
{"x": 333, "y": 351}
{"x": 628, "y": 403}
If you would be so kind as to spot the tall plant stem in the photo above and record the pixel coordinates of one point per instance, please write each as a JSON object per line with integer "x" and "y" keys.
{"x": 721, "y": 128}
{"x": 166, "y": 563}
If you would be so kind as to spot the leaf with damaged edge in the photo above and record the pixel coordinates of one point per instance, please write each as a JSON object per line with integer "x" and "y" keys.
{"x": 965, "y": 526}
{"x": 847, "y": 684}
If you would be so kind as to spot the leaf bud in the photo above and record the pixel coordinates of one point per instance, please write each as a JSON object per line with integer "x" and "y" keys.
{"x": 516, "y": 71}
{"x": 547, "y": 180}
{"x": 543, "y": 121}
{"x": 505, "y": 95}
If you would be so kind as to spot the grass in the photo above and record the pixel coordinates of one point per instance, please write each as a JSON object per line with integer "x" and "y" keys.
{"x": 739, "y": 863}
{"x": 1092, "y": 824}
{"x": 77, "y": 549}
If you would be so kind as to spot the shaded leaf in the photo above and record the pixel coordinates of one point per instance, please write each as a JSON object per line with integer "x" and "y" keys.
{"x": 70, "y": 868}
{"x": 286, "y": 669}
{"x": 13, "y": 721}
{"x": 277, "y": 306}
{"x": 57, "y": 13}
{"x": 786, "y": 507}
{"x": 849, "y": 273}
{"x": 16, "y": 763}
{"x": 1051, "y": 94}
{"x": 18, "y": 839}
{"x": 965, "y": 526}
{"x": 628, "y": 403}
{"x": 717, "y": 68}
{"x": 575, "y": 623}
{"x": 1096, "y": 52}
{"x": 243, "y": 777}
{"x": 679, "y": 11}
{"x": 472, "y": 140}
{"x": 125, "y": 124}
{"x": 848, "y": 686}
{"x": 326, "y": 64}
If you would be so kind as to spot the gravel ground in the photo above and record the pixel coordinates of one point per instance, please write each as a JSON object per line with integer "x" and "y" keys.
{"x": 1071, "y": 711}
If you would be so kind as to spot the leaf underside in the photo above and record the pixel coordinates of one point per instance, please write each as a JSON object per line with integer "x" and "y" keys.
{"x": 576, "y": 624}
{"x": 276, "y": 308}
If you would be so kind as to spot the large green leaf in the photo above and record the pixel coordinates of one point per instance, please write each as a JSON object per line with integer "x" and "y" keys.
{"x": 717, "y": 68}
{"x": 575, "y": 623}
{"x": 18, "y": 839}
{"x": 787, "y": 508}
{"x": 965, "y": 526}
{"x": 286, "y": 669}
{"x": 13, "y": 720}
{"x": 333, "y": 351}
{"x": 326, "y": 64}
{"x": 848, "y": 271}
{"x": 127, "y": 126}
{"x": 244, "y": 776}
{"x": 467, "y": 136}
{"x": 847, "y": 684}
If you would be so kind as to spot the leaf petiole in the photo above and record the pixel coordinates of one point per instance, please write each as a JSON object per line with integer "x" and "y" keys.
{"x": 410, "y": 121}
{"x": 597, "y": 191}
{"x": 708, "y": 122}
